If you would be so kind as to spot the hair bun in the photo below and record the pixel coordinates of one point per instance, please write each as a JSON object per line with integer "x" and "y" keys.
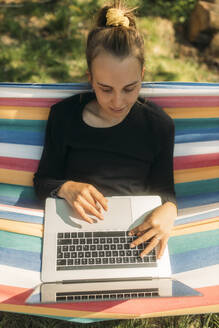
{"x": 116, "y": 17}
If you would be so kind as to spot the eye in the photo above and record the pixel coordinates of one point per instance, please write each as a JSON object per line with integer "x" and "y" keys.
{"x": 106, "y": 90}
{"x": 129, "y": 90}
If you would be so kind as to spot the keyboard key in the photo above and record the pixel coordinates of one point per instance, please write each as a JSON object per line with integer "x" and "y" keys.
{"x": 106, "y": 247}
{"x": 93, "y": 247}
{"x": 99, "y": 247}
{"x": 88, "y": 234}
{"x": 59, "y": 255}
{"x": 85, "y": 248}
{"x": 80, "y": 235}
{"x": 64, "y": 242}
{"x": 80, "y": 254}
{"x": 74, "y": 235}
{"x": 70, "y": 262}
{"x": 66, "y": 255}
{"x": 61, "y": 262}
{"x": 98, "y": 260}
{"x": 105, "y": 260}
{"x": 87, "y": 254}
{"x": 60, "y": 235}
{"x": 73, "y": 255}
{"x": 91, "y": 261}
{"x": 79, "y": 248}
{"x": 94, "y": 254}
{"x": 72, "y": 248}
{"x": 67, "y": 235}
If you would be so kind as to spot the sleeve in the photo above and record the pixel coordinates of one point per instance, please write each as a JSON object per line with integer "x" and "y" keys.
{"x": 50, "y": 173}
{"x": 161, "y": 180}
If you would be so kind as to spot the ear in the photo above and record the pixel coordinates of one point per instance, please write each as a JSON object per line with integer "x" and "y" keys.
{"x": 142, "y": 73}
{"x": 89, "y": 77}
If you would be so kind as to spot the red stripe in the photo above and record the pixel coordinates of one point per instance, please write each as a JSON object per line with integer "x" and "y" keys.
{"x": 180, "y": 162}
{"x": 196, "y": 161}
{"x": 188, "y": 101}
{"x": 29, "y": 102}
{"x": 13, "y": 295}
{"x": 21, "y": 164}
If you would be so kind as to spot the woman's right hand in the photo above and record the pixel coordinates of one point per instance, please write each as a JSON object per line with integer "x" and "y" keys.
{"x": 84, "y": 199}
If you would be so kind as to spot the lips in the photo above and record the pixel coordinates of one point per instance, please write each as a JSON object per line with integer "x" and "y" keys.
{"x": 117, "y": 110}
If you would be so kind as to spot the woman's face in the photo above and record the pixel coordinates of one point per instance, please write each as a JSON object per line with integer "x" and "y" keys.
{"x": 116, "y": 83}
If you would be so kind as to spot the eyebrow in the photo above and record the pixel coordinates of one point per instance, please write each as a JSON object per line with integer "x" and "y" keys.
{"x": 109, "y": 86}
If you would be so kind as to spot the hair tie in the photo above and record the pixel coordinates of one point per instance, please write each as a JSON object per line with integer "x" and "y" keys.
{"x": 115, "y": 17}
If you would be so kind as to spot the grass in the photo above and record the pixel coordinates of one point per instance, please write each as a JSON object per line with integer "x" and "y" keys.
{"x": 46, "y": 44}
{"x": 188, "y": 321}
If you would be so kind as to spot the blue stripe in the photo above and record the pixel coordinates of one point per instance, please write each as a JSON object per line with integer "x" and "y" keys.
{"x": 197, "y": 200}
{"x": 194, "y": 259}
{"x": 20, "y": 259}
{"x": 195, "y": 137}
{"x": 206, "y": 130}
{"x": 22, "y": 137}
{"x": 21, "y": 202}
{"x": 198, "y": 217}
{"x": 20, "y": 217}
{"x": 76, "y": 86}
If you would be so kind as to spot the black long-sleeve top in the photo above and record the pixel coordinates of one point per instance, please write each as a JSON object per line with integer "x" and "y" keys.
{"x": 134, "y": 157}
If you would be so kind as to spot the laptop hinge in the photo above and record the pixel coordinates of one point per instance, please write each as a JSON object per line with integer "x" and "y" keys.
{"x": 105, "y": 280}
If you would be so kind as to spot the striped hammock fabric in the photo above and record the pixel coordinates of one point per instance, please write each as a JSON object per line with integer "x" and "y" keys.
{"x": 194, "y": 245}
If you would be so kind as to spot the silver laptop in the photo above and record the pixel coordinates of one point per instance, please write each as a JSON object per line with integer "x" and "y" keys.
{"x": 94, "y": 262}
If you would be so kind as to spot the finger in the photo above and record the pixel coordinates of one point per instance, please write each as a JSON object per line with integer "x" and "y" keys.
{"x": 140, "y": 228}
{"x": 154, "y": 242}
{"x": 162, "y": 247}
{"x": 143, "y": 238}
{"x": 87, "y": 195}
{"x": 99, "y": 197}
{"x": 89, "y": 208}
{"x": 82, "y": 212}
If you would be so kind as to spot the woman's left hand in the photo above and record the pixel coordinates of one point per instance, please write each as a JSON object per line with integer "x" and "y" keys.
{"x": 157, "y": 227}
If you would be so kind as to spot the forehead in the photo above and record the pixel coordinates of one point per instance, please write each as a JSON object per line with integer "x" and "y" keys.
{"x": 113, "y": 70}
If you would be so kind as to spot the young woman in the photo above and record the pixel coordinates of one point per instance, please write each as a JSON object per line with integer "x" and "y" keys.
{"x": 111, "y": 141}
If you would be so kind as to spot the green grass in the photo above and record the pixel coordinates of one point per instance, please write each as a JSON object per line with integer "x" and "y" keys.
{"x": 187, "y": 321}
{"x": 46, "y": 44}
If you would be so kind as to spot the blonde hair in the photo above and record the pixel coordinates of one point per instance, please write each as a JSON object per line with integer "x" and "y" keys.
{"x": 115, "y": 32}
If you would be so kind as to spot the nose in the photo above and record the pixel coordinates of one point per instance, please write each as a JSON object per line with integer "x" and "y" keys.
{"x": 117, "y": 100}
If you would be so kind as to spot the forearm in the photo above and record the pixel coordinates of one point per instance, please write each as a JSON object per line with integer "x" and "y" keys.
{"x": 43, "y": 186}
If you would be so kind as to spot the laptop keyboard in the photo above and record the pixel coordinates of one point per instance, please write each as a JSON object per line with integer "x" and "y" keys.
{"x": 106, "y": 295}
{"x": 100, "y": 249}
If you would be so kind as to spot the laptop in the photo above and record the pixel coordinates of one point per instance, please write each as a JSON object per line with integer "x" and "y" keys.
{"x": 84, "y": 262}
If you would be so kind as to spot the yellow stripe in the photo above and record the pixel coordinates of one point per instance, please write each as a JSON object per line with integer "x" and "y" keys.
{"x": 36, "y": 229}
{"x": 196, "y": 174}
{"x": 22, "y": 178}
{"x": 24, "y": 113}
{"x": 193, "y": 112}
{"x": 104, "y": 315}
{"x": 25, "y": 178}
{"x": 200, "y": 226}
{"x": 24, "y": 228}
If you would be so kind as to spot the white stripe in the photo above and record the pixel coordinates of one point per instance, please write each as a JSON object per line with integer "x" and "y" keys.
{"x": 37, "y": 93}
{"x": 146, "y": 90}
{"x": 20, "y": 151}
{"x": 196, "y": 148}
{"x": 157, "y": 92}
{"x": 15, "y": 209}
{"x": 182, "y": 149}
{"x": 16, "y": 277}
{"x": 197, "y": 209}
{"x": 204, "y": 277}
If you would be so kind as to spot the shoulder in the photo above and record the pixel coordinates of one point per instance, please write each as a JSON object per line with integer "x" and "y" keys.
{"x": 155, "y": 114}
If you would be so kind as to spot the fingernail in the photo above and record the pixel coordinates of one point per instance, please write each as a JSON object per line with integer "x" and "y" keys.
{"x": 132, "y": 245}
